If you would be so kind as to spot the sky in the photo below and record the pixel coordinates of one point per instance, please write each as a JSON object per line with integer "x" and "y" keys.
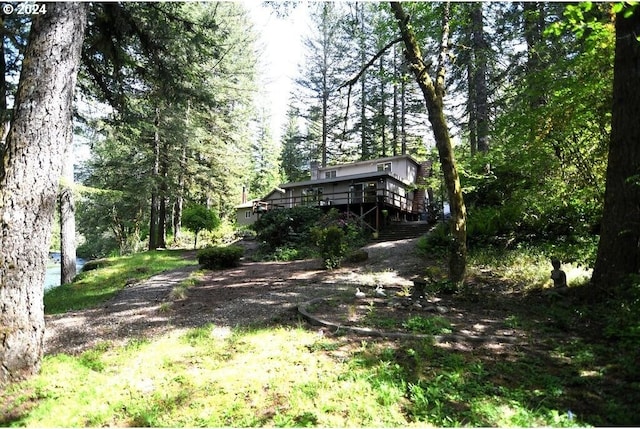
{"x": 282, "y": 54}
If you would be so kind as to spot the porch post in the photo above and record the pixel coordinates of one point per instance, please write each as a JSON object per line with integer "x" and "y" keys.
{"x": 377, "y": 215}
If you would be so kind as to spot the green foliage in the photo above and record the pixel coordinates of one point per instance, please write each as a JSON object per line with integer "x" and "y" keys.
{"x": 286, "y": 254}
{"x": 295, "y": 155}
{"x": 436, "y": 242}
{"x": 543, "y": 177}
{"x": 336, "y": 235}
{"x": 223, "y": 234}
{"x": 220, "y": 257}
{"x": 332, "y": 243}
{"x": 302, "y": 232}
{"x": 434, "y": 325}
{"x": 266, "y": 156}
{"x": 286, "y": 227}
{"x": 354, "y": 233}
{"x": 623, "y": 322}
{"x": 93, "y": 287}
{"x": 174, "y": 134}
{"x": 198, "y": 218}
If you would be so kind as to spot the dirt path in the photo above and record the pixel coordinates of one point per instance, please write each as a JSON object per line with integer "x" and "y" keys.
{"x": 133, "y": 312}
{"x": 256, "y": 293}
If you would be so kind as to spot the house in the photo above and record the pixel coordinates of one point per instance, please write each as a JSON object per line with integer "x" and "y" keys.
{"x": 376, "y": 191}
{"x": 245, "y": 214}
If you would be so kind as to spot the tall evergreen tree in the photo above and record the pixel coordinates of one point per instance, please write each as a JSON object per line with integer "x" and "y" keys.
{"x": 294, "y": 157}
{"x": 619, "y": 248}
{"x": 324, "y": 73}
{"x": 192, "y": 61}
{"x": 29, "y": 176}
{"x": 266, "y": 156}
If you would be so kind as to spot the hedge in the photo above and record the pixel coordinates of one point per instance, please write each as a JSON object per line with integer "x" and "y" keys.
{"x": 218, "y": 257}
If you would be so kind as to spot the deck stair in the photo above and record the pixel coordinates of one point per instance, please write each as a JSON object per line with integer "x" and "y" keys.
{"x": 403, "y": 230}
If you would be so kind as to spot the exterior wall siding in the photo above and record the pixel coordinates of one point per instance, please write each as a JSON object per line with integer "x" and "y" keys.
{"x": 384, "y": 180}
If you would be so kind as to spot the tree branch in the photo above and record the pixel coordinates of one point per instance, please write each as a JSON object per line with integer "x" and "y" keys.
{"x": 355, "y": 79}
{"x": 380, "y": 53}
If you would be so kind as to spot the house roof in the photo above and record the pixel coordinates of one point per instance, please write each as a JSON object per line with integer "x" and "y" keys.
{"x": 248, "y": 205}
{"x": 349, "y": 178}
{"x": 273, "y": 191}
{"x": 370, "y": 161}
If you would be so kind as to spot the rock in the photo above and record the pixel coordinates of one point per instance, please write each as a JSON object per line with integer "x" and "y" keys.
{"x": 441, "y": 309}
{"x": 357, "y": 256}
{"x": 95, "y": 264}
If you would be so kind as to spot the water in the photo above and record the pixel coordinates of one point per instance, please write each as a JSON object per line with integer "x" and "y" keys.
{"x": 52, "y": 277}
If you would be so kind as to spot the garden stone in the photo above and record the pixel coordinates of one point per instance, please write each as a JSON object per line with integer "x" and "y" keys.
{"x": 442, "y": 310}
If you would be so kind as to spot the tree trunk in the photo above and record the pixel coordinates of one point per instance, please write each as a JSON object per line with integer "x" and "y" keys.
{"x": 153, "y": 216}
{"x": 394, "y": 120}
{"x": 325, "y": 85}
{"x": 4, "y": 113}
{"x": 29, "y": 178}
{"x": 480, "y": 49}
{"x": 403, "y": 114}
{"x": 471, "y": 105}
{"x": 66, "y": 205}
{"x": 534, "y": 25}
{"x": 433, "y": 93}
{"x": 382, "y": 113}
{"x": 164, "y": 198}
{"x": 364, "y": 150}
{"x": 178, "y": 205}
{"x": 619, "y": 247}
{"x": 161, "y": 242}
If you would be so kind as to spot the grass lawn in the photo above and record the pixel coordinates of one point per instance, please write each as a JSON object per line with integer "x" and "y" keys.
{"x": 93, "y": 287}
{"x": 281, "y": 376}
{"x": 292, "y": 376}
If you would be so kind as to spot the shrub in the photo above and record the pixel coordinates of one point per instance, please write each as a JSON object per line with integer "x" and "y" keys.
{"x": 332, "y": 243}
{"x": 285, "y": 227}
{"x": 215, "y": 258}
{"x": 436, "y": 242}
{"x": 354, "y": 233}
{"x": 286, "y": 254}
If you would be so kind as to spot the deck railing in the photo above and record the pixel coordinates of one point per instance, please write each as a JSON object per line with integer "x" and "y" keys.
{"x": 384, "y": 197}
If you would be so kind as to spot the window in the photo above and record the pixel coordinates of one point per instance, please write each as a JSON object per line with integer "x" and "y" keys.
{"x": 330, "y": 174}
{"x": 385, "y": 166}
{"x": 247, "y": 214}
{"x": 311, "y": 196}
